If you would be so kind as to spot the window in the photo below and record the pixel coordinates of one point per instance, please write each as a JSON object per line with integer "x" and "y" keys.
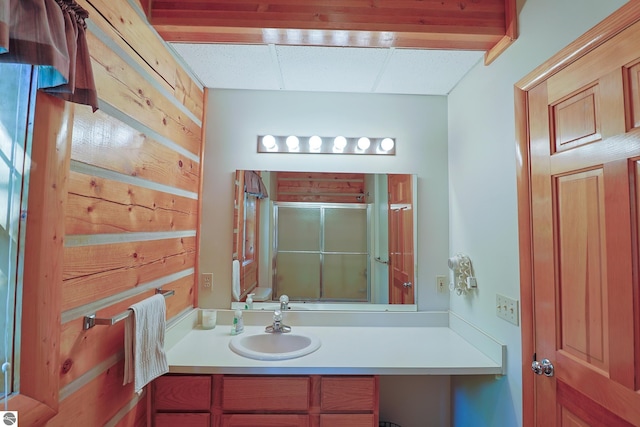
{"x": 16, "y": 120}
{"x": 250, "y": 231}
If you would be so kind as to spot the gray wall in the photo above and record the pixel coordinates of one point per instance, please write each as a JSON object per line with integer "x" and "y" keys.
{"x": 236, "y": 117}
{"x": 482, "y": 193}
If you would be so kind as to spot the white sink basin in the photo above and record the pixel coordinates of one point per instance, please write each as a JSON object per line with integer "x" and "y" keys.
{"x": 276, "y": 346}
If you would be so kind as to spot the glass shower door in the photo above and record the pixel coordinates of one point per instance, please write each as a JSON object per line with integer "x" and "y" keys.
{"x": 321, "y": 251}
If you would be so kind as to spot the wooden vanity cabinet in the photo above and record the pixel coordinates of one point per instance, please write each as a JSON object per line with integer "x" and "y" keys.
{"x": 265, "y": 400}
{"x": 348, "y": 401}
{"x": 183, "y": 400}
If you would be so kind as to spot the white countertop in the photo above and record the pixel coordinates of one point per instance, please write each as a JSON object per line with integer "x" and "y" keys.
{"x": 378, "y": 350}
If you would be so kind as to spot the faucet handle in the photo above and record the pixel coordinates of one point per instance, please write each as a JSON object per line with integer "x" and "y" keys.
{"x": 277, "y": 316}
{"x": 284, "y": 299}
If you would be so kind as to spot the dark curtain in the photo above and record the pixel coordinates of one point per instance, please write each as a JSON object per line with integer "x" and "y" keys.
{"x": 50, "y": 34}
{"x": 253, "y": 185}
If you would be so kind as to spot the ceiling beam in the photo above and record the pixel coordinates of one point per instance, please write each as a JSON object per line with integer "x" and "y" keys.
{"x": 487, "y": 25}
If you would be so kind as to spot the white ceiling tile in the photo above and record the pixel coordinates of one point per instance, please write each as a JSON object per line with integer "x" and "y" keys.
{"x": 328, "y": 69}
{"x": 428, "y": 72}
{"x": 231, "y": 66}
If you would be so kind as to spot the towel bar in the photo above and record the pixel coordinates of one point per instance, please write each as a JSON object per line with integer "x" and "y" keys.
{"x": 91, "y": 320}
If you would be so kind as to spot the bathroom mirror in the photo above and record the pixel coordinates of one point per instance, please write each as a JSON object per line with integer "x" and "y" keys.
{"x": 329, "y": 241}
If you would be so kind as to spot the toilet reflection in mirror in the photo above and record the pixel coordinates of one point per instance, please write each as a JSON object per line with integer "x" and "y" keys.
{"x": 325, "y": 239}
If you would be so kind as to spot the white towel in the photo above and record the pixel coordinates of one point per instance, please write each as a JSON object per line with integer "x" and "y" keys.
{"x": 144, "y": 356}
{"x": 235, "y": 279}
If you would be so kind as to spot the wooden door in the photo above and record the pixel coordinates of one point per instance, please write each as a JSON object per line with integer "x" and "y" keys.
{"x": 584, "y": 151}
{"x": 401, "y": 271}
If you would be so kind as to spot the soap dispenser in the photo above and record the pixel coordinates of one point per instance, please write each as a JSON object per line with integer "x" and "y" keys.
{"x": 238, "y": 323}
{"x": 249, "y": 304}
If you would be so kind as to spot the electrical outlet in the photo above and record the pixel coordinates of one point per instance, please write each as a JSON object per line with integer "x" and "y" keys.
{"x": 206, "y": 280}
{"x": 507, "y": 309}
{"x": 441, "y": 283}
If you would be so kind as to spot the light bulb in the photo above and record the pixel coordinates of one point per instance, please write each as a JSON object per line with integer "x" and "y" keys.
{"x": 315, "y": 142}
{"x": 364, "y": 143}
{"x": 269, "y": 141}
{"x": 340, "y": 142}
{"x": 387, "y": 144}
{"x": 292, "y": 142}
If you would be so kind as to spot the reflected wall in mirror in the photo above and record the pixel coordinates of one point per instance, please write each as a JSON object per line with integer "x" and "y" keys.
{"x": 326, "y": 240}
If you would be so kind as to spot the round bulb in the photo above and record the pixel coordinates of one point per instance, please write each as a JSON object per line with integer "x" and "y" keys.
{"x": 387, "y": 144}
{"x": 340, "y": 142}
{"x": 364, "y": 143}
{"x": 315, "y": 142}
{"x": 292, "y": 142}
{"x": 269, "y": 141}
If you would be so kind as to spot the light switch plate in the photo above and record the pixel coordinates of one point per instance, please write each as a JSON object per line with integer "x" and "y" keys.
{"x": 507, "y": 309}
{"x": 441, "y": 284}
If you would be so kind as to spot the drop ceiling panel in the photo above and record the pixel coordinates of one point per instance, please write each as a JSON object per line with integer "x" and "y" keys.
{"x": 231, "y": 66}
{"x": 330, "y": 69}
{"x": 428, "y": 72}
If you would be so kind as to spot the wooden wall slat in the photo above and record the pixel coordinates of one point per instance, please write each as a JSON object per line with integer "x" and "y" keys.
{"x": 119, "y": 85}
{"x": 97, "y": 402}
{"x": 137, "y": 417}
{"x": 83, "y": 290}
{"x": 81, "y": 350}
{"x": 107, "y": 29}
{"x": 320, "y": 187}
{"x": 121, "y": 22}
{"x": 135, "y": 154}
{"x": 98, "y": 205}
{"x": 83, "y": 261}
{"x": 185, "y": 289}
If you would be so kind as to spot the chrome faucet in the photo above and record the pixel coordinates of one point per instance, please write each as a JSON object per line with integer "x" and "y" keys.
{"x": 284, "y": 303}
{"x": 278, "y": 326}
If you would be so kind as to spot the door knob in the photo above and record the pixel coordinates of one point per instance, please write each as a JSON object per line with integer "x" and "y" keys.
{"x": 407, "y": 284}
{"x": 543, "y": 367}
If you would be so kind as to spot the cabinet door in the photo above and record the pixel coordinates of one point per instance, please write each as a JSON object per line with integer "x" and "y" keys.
{"x": 271, "y": 420}
{"x": 347, "y": 420}
{"x": 347, "y": 394}
{"x": 182, "y": 393}
{"x": 254, "y": 393}
{"x": 182, "y": 420}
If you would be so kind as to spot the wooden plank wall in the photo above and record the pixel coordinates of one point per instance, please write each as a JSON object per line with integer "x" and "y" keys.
{"x": 320, "y": 187}
{"x": 132, "y": 208}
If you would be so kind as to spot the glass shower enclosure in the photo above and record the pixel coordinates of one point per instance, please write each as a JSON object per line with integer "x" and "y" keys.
{"x": 321, "y": 252}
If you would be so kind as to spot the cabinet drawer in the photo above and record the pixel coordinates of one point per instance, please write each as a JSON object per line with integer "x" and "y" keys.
{"x": 348, "y": 394}
{"x": 347, "y": 420}
{"x": 182, "y": 392}
{"x": 182, "y": 420}
{"x": 282, "y": 394}
{"x": 273, "y": 420}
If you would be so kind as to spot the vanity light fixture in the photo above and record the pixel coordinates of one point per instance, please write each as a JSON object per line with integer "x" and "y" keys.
{"x": 339, "y": 143}
{"x": 293, "y": 143}
{"x": 269, "y": 142}
{"x": 326, "y": 145}
{"x": 315, "y": 143}
{"x": 387, "y": 144}
{"x": 364, "y": 143}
